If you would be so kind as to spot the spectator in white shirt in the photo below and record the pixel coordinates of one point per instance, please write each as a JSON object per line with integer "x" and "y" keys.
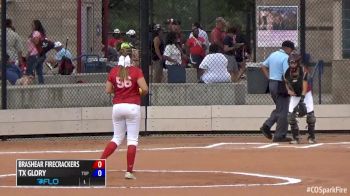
{"x": 172, "y": 53}
{"x": 214, "y": 66}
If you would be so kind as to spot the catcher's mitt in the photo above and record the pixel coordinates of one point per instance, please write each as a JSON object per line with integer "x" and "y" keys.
{"x": 301, "y": 109}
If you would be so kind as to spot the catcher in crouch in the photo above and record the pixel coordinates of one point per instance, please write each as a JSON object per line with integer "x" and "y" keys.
{"x": 301, "y": 102}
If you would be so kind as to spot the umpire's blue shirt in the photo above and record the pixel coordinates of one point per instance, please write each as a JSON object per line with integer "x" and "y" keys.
{"x": 277, "y": 63}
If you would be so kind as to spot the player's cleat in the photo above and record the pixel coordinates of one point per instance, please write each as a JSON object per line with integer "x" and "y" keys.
{"x": 129, "y": 176}
{"x": 311, "y": 140}
{"x": 266, "y": 131}
{"x": 295, "y": 141}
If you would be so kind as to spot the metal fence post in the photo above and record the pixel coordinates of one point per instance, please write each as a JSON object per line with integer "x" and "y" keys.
{"x": 79, "y": 7}
{"x": 3, "y": 56}
{"x": 320, "y": 73}
{"x": 145, "y": 47}
{"x": 302, "y": 28}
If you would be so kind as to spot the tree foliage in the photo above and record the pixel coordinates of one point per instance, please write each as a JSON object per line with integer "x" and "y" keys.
{"x": 124, "y": 14}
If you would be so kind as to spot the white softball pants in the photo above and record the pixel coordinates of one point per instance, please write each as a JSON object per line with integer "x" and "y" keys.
{"x": 309, "y": 102}
{"x": 126, "y": 118}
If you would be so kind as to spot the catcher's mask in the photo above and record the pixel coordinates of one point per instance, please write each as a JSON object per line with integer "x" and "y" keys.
{"x": 294, "y": 61}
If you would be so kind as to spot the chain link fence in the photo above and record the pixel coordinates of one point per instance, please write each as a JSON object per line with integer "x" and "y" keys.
{"x": 55, "y": 54}
{"x": 220, "y": 66}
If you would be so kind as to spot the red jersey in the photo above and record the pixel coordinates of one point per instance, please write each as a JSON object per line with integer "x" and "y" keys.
{"x": 112, "y": 42}
{"x": 126, "y": 91}
{"x": 217, "y": 36}
{"x": 196, "y": 46}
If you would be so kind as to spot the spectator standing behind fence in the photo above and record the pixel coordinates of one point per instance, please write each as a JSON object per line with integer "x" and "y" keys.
{"x": 175, "y": 26}
{"x": 115, "y": 39}
{"x": 196, "y": 49}
{"x": 243, "y": 52}
{"x": 34, "y": 60}
{"x": 157, "y": 53}
{"x": 133, "y": 43}
{"x": 218, "y": 33}
{"x": 274, "y": 68}
{"x": 14, "y": 47}
{"x": 230, "y": 47}
{"x": 132, "y": 39}
{"x": 214, "y": 66}
{"x": 112, "y": 42}
{"x": 124, "y": 81}
{"x": 172, "y": 53}
{"x": 201, "y": 34}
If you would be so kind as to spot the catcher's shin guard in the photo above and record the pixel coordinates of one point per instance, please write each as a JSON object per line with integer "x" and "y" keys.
{"x": 293, "y": 125}
{"x": 311, "y": 120}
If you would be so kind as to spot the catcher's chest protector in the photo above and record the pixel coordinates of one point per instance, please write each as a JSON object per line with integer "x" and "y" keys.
{"x": 296, "y": 82}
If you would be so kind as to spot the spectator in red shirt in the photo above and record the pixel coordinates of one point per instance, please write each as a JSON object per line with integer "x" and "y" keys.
{"x": 218, "y": 33}
{"x": 128, "y": 84}
{"x": 196, "y": 49}
{"x": 115, "y": 39}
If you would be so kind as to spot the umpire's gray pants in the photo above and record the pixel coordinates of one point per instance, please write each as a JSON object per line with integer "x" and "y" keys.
{"x": 279, "y": 114}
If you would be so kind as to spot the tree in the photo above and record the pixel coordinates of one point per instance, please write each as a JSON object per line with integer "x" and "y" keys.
{"x": 124, "y": 14}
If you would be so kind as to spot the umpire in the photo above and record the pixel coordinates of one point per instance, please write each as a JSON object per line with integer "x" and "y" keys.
{"x": 274, "y": 68}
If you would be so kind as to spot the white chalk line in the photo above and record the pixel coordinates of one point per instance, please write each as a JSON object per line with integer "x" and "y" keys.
{"x": 264, "y": 146}
{"x": 311, "y": 146}
{"x": 268, "y": 145}
{"x": 141, "y": 149}
{"x": 337, "y": 143}
{"x": 286, "y": 181}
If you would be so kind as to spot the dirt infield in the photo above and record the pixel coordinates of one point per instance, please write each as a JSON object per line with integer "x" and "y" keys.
{"x": 195, "y": 165}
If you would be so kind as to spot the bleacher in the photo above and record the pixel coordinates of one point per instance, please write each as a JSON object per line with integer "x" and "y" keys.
{"x": 87, "y": 89}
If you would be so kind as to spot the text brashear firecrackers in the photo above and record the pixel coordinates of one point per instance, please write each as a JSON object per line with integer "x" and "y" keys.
{"x": 48, "y": 164}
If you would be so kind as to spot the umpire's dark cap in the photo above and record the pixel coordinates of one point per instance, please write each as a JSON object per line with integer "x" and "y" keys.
{"x": 288, "y": 44}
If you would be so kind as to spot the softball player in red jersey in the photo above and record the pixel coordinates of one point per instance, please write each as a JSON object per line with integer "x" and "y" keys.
{"x": 125, "y": 81}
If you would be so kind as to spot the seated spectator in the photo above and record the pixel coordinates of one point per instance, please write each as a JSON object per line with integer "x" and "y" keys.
{"x": 63, "y": 55}
{"x": 196, "y": 49}
{"x": 214, "y": 66}
{"x": 14, "y": 73}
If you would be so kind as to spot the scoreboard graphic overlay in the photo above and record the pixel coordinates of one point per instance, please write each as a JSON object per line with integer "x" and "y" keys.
{"x": 61, "y": 172}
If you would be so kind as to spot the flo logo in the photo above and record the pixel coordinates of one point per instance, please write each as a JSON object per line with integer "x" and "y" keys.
{"x": 48, "y": 181}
